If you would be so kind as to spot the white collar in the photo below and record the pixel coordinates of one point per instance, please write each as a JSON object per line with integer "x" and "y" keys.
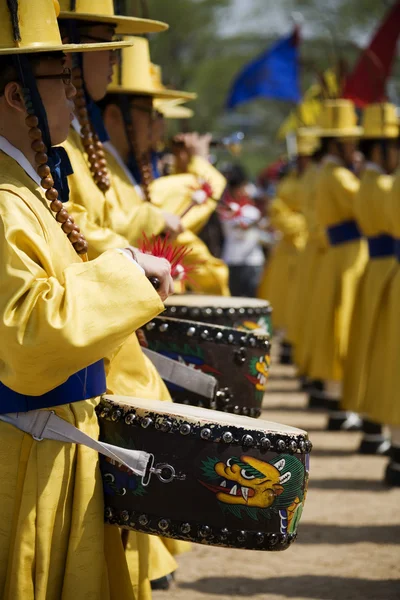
{"x": 371, "y": 166}
{"x": 330, "y": 159}
{"x": 112, "y": 150}
{"x": 20, "y": 158}
{"x": 76, "y": 125}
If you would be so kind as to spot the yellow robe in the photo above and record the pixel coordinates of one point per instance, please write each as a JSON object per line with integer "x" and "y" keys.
{"x": 130, "y": 372}
{"x": 277, "y": 279}
{"x": 300, "y": 318}
{"x": 58, "y": 315}
{"x": 381, "y": 403}
{"x": 339, "y": 271}
{"x": 371, "y": 211}
{"x": 170, "y": 194}
{"x": 174, "y": 193}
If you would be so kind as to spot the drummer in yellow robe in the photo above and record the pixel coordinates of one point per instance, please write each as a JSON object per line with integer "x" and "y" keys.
{"x": 381, "y": 402}
{"x": 92, "y": 196}
{"x": 379, "y": 146}
{"x": 128, "y": 116}
{"x": 286, "y": 217}
{"x": 343, "y": 263}
{"x": 60, "y": 315}
{"x": 301, "y": 288}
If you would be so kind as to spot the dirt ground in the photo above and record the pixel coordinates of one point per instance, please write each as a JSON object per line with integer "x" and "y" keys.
{"x": 348, "y": 547}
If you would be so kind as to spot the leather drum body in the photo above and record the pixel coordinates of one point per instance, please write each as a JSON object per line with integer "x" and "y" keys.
{"x": 239, "y": 360}
{"x": 213, "y": 478}
{"x": 248, "y": 314}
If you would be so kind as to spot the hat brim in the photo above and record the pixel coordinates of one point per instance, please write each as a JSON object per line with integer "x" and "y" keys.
{"x": 157, "y": 94}
{"x": 176, "y": 112}
{"x": 66, "y": 48}
{"x": 124, "y": 25}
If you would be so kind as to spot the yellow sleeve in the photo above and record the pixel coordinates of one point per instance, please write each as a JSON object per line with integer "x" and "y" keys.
{"x": 203, "y": 169}
{"x": 57, "y": 320}
{"x": 282, "y": 218}
{"x": 173, "y": 194}
{"x": 99, "y": 237}
{"x": 346, "y": 186}
{"x": 87, "y": 203}
{"x": 131, "y": 215}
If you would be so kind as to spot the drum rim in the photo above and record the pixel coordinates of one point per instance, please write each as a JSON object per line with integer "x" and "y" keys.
{"x": 292, "y": 442}
{"x": 255, "y": 338}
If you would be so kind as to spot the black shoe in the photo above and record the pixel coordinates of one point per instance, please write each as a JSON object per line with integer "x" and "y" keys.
{"x": 392, "y": 475}
{"x": 380, "y": 445}
{"x": 344, "y": 421}
{"x": 163, "y": 583}
{"x": 286, "y": 354}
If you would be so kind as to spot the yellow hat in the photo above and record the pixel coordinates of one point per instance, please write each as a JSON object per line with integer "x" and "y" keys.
{"x": 156, "y": 75}
{"x": 102, "y": 11}
{"x": 134, "y": 75}
{"x": 338, "y": 119}
{"x": 173, "y": 109}
{"x": 34, "y": 28}
{"x": 307, "y": 142}
{"x": 380, "y": 121}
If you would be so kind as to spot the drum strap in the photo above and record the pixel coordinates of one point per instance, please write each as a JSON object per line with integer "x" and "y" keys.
{"x": 182, "y": 375}
{"x": 46, "y": 425}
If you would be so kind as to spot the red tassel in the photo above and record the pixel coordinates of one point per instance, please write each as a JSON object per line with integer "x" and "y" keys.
{"x": 162, "y": 248}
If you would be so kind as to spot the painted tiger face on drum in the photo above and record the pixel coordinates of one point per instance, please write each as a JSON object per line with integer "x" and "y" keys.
{"x": 259, "y": 488}
{"x": 248, "y": 481}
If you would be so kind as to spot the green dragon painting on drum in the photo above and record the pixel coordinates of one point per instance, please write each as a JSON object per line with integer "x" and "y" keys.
{"x": 252, "y": 487}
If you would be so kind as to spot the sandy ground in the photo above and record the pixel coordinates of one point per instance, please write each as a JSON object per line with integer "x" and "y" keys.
{"x": 348, "y": 547}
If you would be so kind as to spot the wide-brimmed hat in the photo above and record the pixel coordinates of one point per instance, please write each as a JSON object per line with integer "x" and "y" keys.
{"x": 338, "y": 119}
{"x": 307, "y": 141}
{"x": 102, "y": 11}
{"x": 32, "y": 27}
{"x": 173, "y": 109}
{"x": 380, "y": 121}
{"x": 134, "y": 74}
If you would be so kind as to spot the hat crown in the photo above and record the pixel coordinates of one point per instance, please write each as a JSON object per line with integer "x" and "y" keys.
{"x": 380, "y": 121}
{"x": 338, "y": 114}
{"x": 307, "y": 143}
{"x": 37, "y": 22}
{"x": 133, "y": 71}
{"x": 90, "y": 7}
{"x": 156, "y": 75}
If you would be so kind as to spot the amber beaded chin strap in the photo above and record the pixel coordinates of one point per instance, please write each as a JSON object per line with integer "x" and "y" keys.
{"x": 68, "y": 225}
{"x": 91, "y": 143}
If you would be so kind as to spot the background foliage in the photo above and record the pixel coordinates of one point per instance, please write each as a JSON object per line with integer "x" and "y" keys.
{"x": 198, "y": 54}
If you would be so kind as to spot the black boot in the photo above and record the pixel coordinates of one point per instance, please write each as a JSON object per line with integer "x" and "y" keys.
{"x": 317, "y": 398}
{"x": 373, "y": 441}
{"x": 340, "y": 420}
{"x": 163, "y": 583}
{"x": 392, "y": 475}
{"x": 286, "y": 354}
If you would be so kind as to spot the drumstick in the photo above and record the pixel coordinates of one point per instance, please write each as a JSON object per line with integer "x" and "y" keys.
{"x": 185, "y": 212}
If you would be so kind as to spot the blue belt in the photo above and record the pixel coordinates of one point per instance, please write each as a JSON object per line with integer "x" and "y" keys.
{"x": 88, "y": 383}
{"x": 381, "y": 246}
{"x": 397, "y": 248}
{"x": 343, "y": 232}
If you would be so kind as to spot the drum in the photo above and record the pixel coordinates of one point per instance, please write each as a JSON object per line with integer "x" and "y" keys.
{"x": 239, "y": 360}
{"x": 214, "y": 478}
{"x": 243, "y": 313}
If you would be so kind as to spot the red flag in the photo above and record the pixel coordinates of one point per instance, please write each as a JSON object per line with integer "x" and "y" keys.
{"x": 366, "y": 84}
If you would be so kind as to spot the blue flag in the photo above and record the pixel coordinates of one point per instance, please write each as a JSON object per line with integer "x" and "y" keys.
{"x": 274, "y": 74}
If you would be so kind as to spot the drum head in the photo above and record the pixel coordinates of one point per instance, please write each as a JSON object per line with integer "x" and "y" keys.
{"x": 202, "y": 301}
{"x": 203, "y": 416}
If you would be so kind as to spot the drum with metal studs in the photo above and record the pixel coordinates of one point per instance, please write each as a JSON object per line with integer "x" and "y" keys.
{"x": 243, "y": 313}
{"x": 239, "y": 360}
{"x": 213, "y": 478}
